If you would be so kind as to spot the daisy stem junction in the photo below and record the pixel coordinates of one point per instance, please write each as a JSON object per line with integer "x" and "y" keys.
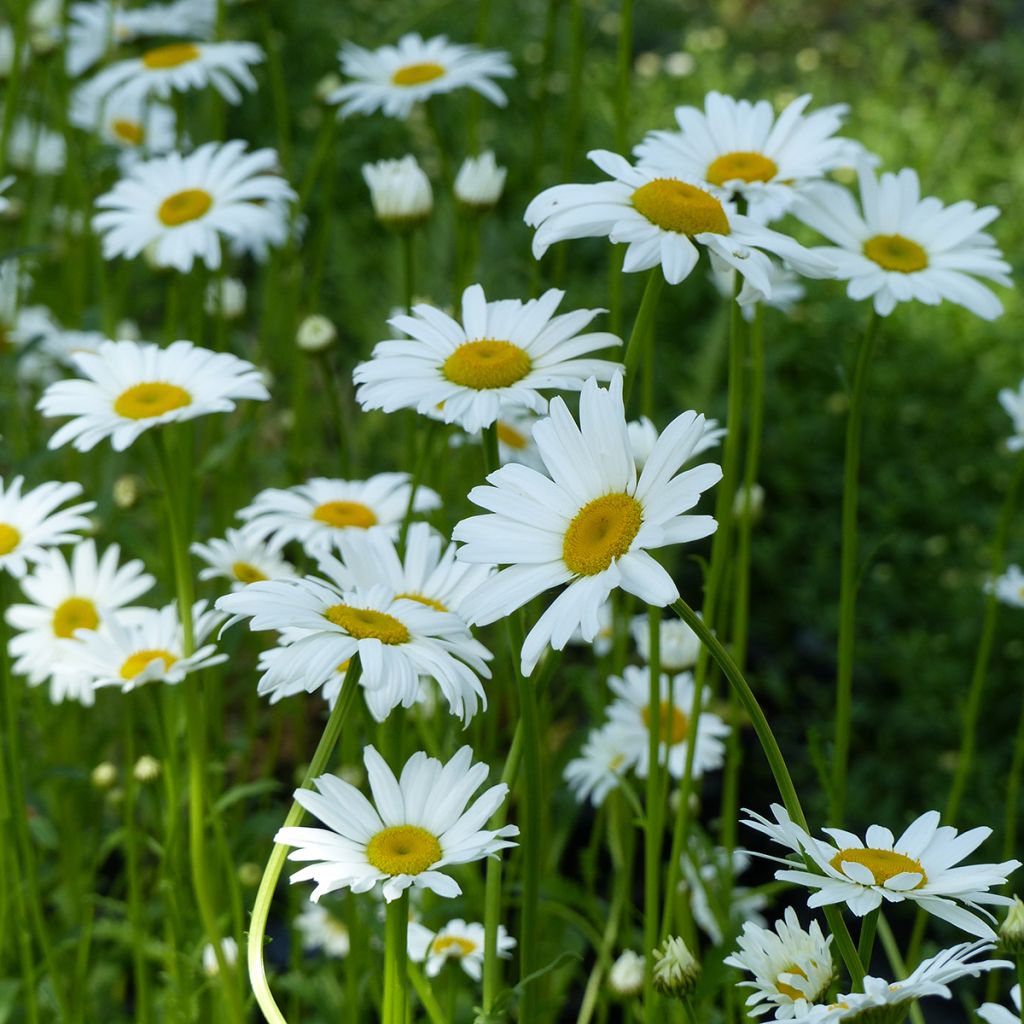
{"x": 643, "y": 329}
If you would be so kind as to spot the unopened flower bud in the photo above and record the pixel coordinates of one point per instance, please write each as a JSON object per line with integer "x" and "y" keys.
{"x": 127, "y": 330}
{"x": 479, "y": 183}
{"x": 225, "y": 298}
{"x": 1011, "y": 931}
{"x": 749, "y": 504}
{"x": 126, "y": 490}
{"x": 316, "y": 334}
{"x": 104, "y": 775}
{"x": 626, "y": 978}
{"x": 249, "y": 874}
{"x": 330, "y": 83}
{"x": 147, "y": 769}
{"x": 400, "y": 192}
{"x": 676, "y": 972}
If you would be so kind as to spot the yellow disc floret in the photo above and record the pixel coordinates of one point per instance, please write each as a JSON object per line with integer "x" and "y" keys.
{"x": 452, "y": 944}
{"x": 366, "y": 624}
{"x": 74, "y": 613}
{"x": 10, "y": 538}
{"x": 181, "y": 207}
{"x": 883, "y": 864}
{"x": 672, "y": 723}
{"x": 512, "y": 438}
{"x": 675, "y": 206}
{"x": 486, "y": 364}
{"x": 149, "y": 399}
{"x": 171, "y": 56}
{"x": 894, "y": 252}
{"x": 131, "y": 132}
{"x": 417, "y": 74}
{"x": 743, "y": 165}
{"x": 789, "y": 990}
{"x": 246, "y": 572}
{"x": 403, "y": 850}
{"x": 135, "y": 663}
{"x": 423, "y": 599}
{"x": 601, "y": 531}
{"x": 345, "y": 513}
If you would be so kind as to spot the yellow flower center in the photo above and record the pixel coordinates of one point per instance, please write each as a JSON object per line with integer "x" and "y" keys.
{"x": 74, "y": 613}
{"x": 486, "y": 364}
{"x": 423, "y": 599}
{"x": 512, "y": 438}
{"x": 452, "y": 943}
{"x": 345, "y": 513}
{"x": 883, "y": 864}
{"x": 789, "y": 990}
{"x": 894, "y": 252}
{"x": 10, "y": 538}
{"x": 675, "y": 206}
{"x": 601, "y": 531}
{"x": 149, "y": 399}
{"x": 366, "y": 624}
{"x": 743, "y": 165}
{"x": 135, "y": 663}
{"x": 417, "y": 74}
{"x": 180, "y": 208}
{"x": 672, "y": 723}
{"x": 246, "y": 572}
{"x": 131, "y": 132}
{"x": 403, "y": 850}
{"x": 171, "y": 56}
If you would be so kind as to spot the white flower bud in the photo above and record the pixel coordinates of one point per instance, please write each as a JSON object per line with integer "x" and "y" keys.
{"x": 752, "y": 504}
{"x": 146, "y": 769}
{"x": 479, "y": 182}
{"x": 675, "y": 970}
{"x": 315, "y": 334}
{"x": 1011, "y": 931}
{"x": 626, "y": 978}
{"x": 104, "y": 775}
{"x": 400, "y": 192}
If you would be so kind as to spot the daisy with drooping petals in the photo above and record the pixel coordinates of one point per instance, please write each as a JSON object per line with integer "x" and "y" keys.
{"x": 663, "y": 219}
{"x": 132, "y": 386}
{"x": 497, "y": 358}
{"x": 744, "y": 148}
{"x": 320, "y": 929}
{"x": 241, "y": 559}
{"x": 1013, "y": 402}
{"x": 898, "y": 247}
{"x": 606, "y": 756}
{"x": 392, "y": 79}
{"x": 30, "y": 523}
{"x": 993, "y": 1013}
{"x": 1009, "y": 587}
{"x": 416, "y": 825}
{"x": 589, "y": 524}
{"x": 919, "y": 867}
{"x": 319, "y": 511}
{"x": 457, "y": 940}
{"x": 181, "y": 206}
{"x": 789, "y": 964}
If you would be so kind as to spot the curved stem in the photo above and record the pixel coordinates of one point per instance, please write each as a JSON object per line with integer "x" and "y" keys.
{"x": 265, "y": 894}
{"x": 642, "y": 330}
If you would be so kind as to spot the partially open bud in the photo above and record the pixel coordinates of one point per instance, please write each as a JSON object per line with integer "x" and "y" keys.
{"x": 316, "y": 334}
{"x": 1011, "y": 931}
{"x": 479, "y": 183}
{"x": 146, "y": 769}
{"x": 676, "y": 972}
{"x": 626, "y": 978}
{"x": 400, "y": 192}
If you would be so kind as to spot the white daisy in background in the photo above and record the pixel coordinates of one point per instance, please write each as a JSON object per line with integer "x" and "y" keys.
{"x": 643, "y": 436}
{"x": 704, "y": 874}
{"x": 53, "y": 356}
{"x": 457, "y": 940}
{"x": 1013, "y": 402}
{"x": 32, "y": 522}
{"x": 919, "y": 867}
{"x": 590, "y": 524}
{"x": 25, "y": 330}
{"x": 229, "y": 949}
{"x": 320, "y": 929}
{"x": 631, "y": 712}
{"x": 479, "y": 182}
{"x": 67, "y": 596}
{"x": 678, "y": 644}
{"x": 789, "y": 964}
{"x": 416, "y": 825}
{"x": 663, "y": 218}
{"x": 5, "y": 184}
{"x": 181, "y": 206}
{"x": 147, "y": 647}
{"x": 604, "y": 639}
{"x": 514, "y": 428}
{"x": 392, "y": 79}
{"x": 400, "y": 192}
{"x": 898, "y": 247}
{"x": 132, "y": 386}
{"x": 182, "y": 66}
{"x": 626, "y": 975}
{"x": 499, "y": 358}
{"x": 1008, "y": 588}
{"x": 607, "y": 755}
{"x": 398, "y": 639}
{"x": 787, "y": 290}
{"x": 319, "y": 511}
{"x": 34, "y": 148}
{"x": 745, "y": 149}
{"x": 993, "y": 1013}
{"x": 134, "y": 125}
{"x": 241, "y": 559}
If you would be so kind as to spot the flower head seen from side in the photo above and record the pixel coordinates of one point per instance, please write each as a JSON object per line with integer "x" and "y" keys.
{"x": 400, "y": 192}
{"x": 417, "y": 825}
{"x": 32, "y": 522}
{"x": 126, "y": 121}
{"x": 898, "y": 247}
{"x": 392, "y": 79}
{"x": 664, "y": 220}
{"x": 745, "y": 149}
{"x": 1013, "y": 402}
{"x": 920, "y": 867}
{"x": 788, "y": 964}
{"x": 241, "y": 559}
{"x": 607, "y": 755}
{"x": 320, "y": 511}
{"x": 678, "y": 644}
{"x": 458, "y": 940}
{"x": 131, "y": 386}
{"x": 479, "y": 183}
{"x": 993, "y": 1013}
{"x": 320, "y": 929}
{"x": 589, "y": 524}
{"x": 181, "y": 207}
{"x": 1009, "y": 587}
{"x": 499, "y": 357}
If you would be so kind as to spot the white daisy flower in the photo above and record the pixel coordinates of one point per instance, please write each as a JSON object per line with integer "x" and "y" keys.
{"x": 606, "y": 756}
{"x": 479, "y": 183}
{"x": 626, "y": 976}
{"x": 678, "y": 644}
{"x": 132, "y": 124}
{"x": 919, "y": 867}
{"x": 132, "y": 386}
{"x": 498, "y": 358}
{"x": 744, "y": 148}
{"x": 65, "y": 597}
{"x": 787, "y": 290}
{"x": 33, "y": 147}
{"x": 147, "y": 647}
{"x": 707, "y": 897}
{"x": 27, "y": 329}
{"x": 788, "y": 965}
{"x": 590, "y": 524}
{"x": 181, "y": 66}
{"x": 663, "y": 218}
{"x": 416, "y": 825}
{"x": 399, "y": 191}
{"x": 993, "y": 1013}
{"x": 1013, "y": 402}
{"x": 397, "y": 639}
{"x": 181, "y": 206}
{"x": 392, "y": 79}
{"x": 457, "y": 940}
{"x": 1008, "y": 588}
{"x": 241, "y": 559}
{"x": 631, "y": 712}
{"x": 319, "y": 511}
{"x": 643, "y": 436}
{"x": 320, "y": 929}
{"x": 898, "y": 247}
{"x": 53, "y": 356}
{"x": 30, "y": 523}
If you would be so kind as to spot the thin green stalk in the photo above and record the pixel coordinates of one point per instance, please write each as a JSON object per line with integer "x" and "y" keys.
{"x": 396, "y": 931}
{"x": 19, "y": 29}
{"x": 321, "y": 150}
{"x": 427, "y": 436}
{"x": 278, "y": 90}
{"x": 131, "y": 849}
{"x": 442, "y": 150}
{"x": 265, "y": 894}
{"x": 426, "y": 995}
{"x": 653, "y": 816}
{"x": 623, "y": 78}
{"x": 1010, "y": 812}
{"x": 899, "y": 968}
{"x": 848, "y": 576}
{"x": 408, "y": 240}
{"x": 643, "y": 330}
{"x": 540, "y": 105}
{"x": 866, "y": 941}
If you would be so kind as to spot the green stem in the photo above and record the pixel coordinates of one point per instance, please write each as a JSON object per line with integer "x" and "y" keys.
{"x": 131, "y": 849}
{"x": 408, "y": 240}
{"x": 396, "y": 931}
{"x": 653, "y": 816}
{"x": 622, "y": 81}
{"x": 866, "y": 942}
{"x": 899, "y": 968}
{"x": 540, "y": 106}
{"x": 1010, "y": 812}
{"x": 848, "y": 575}
{"x": 265, "y": 894}
{"x": 427, "y": 436}
{"x": 442, "y": 149}
{"x": 426, "y": 995}
{"x": 638, "y": 344}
